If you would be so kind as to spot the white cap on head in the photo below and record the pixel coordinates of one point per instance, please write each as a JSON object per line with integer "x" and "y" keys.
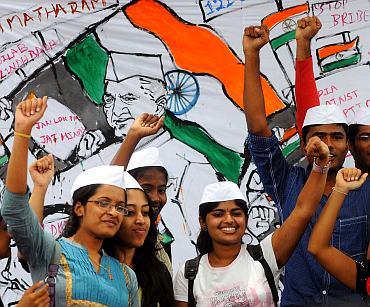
{"x": 324, "y": 115}
{"x": 104, "y": 174}
{"x": 221, "y": 191}
{"x": 144, "y": 158}
{"x": 131, "y": 183}
{"x": 363, "y": 118}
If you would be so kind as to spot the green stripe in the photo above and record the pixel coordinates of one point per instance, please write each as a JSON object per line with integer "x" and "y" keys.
{"x": 4, "y": 159}
{"x": 281, "y": 40}
{"x": 221, "y": 158}
{"x": 291, "y": 148}
{"x": 353, "y": 59}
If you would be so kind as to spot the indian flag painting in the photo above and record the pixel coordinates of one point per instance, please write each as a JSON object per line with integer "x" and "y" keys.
{"x": 338, "y": 51}
{"x": 282, "y": 24}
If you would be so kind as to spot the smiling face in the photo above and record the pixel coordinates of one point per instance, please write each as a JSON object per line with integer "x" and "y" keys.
{"x": 335, "y": 137}
{"x": 127, "y": 99}
{"x": 135, "y": 225}
{"x": 226, "y": 223}
{"x": 99, "y": 222}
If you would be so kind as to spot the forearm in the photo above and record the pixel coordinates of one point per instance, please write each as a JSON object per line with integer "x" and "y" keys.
{"x": 323, "y": 230}
{"x": 305, "y": 86}
{"x": 124, "y": 153}
{"x": 16, "y": 179}
{"x": 37, "y": 201}
{"x": 286, "y": 238}
{"x": 303, "y": 49}
{"x": 254, "y": 106}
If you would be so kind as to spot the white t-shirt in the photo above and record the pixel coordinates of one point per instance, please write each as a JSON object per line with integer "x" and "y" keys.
{"x": 241, "y": 283}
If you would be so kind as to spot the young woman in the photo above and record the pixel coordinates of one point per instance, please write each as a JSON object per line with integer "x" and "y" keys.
{"x": 227, "y": 273}
{"x": 135, "y": 245}
{"x": 354, "y": 275}
{"x": 147, "y": 168}
{"x": 81, "y": 272}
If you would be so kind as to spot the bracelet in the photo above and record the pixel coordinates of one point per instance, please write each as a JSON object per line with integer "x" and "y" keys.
{"x": 22, "y": 135}
{"x": 320, "y": 169}
{"x": 339, "y": 191}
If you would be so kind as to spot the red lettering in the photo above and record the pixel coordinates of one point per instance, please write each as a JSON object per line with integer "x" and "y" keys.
{"x": 2, "y": 76}
{"x": 38, "y": 12}
{"x": 26, "y": 18}
{"x": 50, "y": 12}
{"x": 84, "y": 3}
{"x": 22, "y": 48}
{"x": 10, "y": 21}
{"x": 74, "y": 7}
{"x": 58, "y": 8}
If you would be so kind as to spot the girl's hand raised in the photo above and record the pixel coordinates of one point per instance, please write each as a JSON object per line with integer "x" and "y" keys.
{"x": 28, "y": 113}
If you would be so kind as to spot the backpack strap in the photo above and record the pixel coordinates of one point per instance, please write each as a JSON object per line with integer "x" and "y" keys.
{"x": 256, "y": 252}
{"x": 191, "y": 270}
{"x": 51, "y": 279}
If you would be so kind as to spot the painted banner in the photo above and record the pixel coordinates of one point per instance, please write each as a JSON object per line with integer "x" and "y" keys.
{"x": 104, "y": 62}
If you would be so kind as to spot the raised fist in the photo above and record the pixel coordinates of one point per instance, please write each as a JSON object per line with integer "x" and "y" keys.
{"x": 349, "y": 179}
{"x": 307, "y": 28}
{"x": 317, "y": 148}
{"x": 255, "y": 37}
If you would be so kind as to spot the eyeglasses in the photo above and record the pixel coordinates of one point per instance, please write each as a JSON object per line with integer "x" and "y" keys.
{"x": 120, "y": 206}
{"x": 363, "y": 137}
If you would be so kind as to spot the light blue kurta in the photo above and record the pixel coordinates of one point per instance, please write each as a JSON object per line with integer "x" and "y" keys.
{"x": 78, "y": 284}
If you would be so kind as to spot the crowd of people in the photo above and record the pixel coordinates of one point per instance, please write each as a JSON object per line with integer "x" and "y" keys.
{"x": 110, "y": 253}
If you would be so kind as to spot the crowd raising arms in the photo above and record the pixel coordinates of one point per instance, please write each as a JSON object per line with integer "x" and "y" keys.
{"x": 133, "y": 238}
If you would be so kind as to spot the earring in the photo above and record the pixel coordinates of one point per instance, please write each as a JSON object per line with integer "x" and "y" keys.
{"x": 204, "y": 228}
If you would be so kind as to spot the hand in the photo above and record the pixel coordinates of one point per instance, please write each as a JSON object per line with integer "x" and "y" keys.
{"x": 255, "y": 37}
{"x": 35, "y": 296}
{"x": 146, "y": 124}
{"x": 42, "y": 171}
{"x": 307, "y": 28}
{"x": 28, "y": 113}
{"x": 317, "y": 148}
{"x": 349, "y": 179}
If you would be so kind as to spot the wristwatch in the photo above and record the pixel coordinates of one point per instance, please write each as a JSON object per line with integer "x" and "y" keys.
{"x": 320, "y": 169}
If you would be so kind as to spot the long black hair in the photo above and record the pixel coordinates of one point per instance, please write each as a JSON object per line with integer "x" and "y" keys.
{"x": 153, "y": 277}
{"x": 204, "y": 240}
{"x": 80, "y": 195}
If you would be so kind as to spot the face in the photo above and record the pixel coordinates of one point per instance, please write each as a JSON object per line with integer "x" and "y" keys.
{"x": 226, "y": 223}
{"x": 126, "y": 100}
{"x": 335, "y": 137}
{"x": 135, "y": 225}
{"x": 154, "y": 184}
{"x": 101, "y": 222}
{"x": 360, "y": 148}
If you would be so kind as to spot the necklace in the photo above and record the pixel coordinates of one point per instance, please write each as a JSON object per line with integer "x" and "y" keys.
{"x": 99, "y": 265}
{"x": 107, "y": 270}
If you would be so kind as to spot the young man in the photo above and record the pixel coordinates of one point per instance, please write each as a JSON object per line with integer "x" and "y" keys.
{"x": 307, "y": 97}
{"x": 305, "y": 282}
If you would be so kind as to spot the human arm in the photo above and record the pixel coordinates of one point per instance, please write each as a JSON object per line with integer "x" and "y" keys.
{"x": 145, "y": 125}
{"x": 180, "y": 288}
{"x": 286, "y": 238}
{"x": 42, "y": 172}
{"x": 254, "y": 38}
{"x": 4, "y": 240}
{"x": 35, "y": 245}
{"x": 305, "y": 84}
{"x": 35, "y": 296}
{"x": 330, "y": 258}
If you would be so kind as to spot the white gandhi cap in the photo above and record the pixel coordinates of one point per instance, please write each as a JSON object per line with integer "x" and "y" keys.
{"x": 104, "y": 174}
{"x": 144, "y": 158}
{"x": 221, "y": 191}
{"x": 131, "y": 183}
{"x": 324, "y": 115}
{"x": 363, "y": 118}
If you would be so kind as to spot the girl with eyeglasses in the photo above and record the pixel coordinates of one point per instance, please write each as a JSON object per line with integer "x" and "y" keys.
{"x": 75, "y": 267}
